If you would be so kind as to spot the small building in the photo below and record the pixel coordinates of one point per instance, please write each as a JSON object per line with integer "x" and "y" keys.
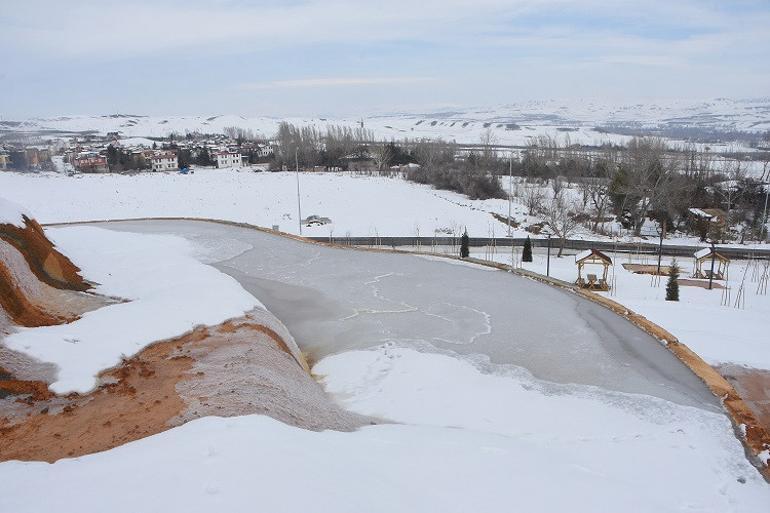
{"x": 703, "y": 262}
{"x": 164, "y": 161}
{"x": 315, "y": 220}
{"x": 592, "y": 281}
{"x": 265, "y": 151}
{"x": 90, "y": 163}
{"x": 701, "y": 218}
{"x": 228, "y": 159}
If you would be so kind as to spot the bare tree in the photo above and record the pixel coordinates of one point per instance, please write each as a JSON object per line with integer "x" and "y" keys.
{"x": 557, "y": 184}
{"x": 488, "y": 141}
{"x": 533, "y": 199}
{"x": 382, "y": 155}
{"x": 646, "y": 178}
{"x": 562, "y": 217}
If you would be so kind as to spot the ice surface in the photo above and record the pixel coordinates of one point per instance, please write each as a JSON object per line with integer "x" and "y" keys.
{"x": 334, "y": 300}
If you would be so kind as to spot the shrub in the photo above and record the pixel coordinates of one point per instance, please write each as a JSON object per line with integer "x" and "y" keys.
{"x": 526, "y": 254}
{"x": 672, "y": 287}
{"x": 464, "y": 252}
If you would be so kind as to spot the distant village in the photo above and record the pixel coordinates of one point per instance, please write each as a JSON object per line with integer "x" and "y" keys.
{"x": 113, "y": 153}
{"x": 338, "y": 149}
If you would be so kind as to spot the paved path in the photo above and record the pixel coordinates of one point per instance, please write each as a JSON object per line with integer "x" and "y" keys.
{"x": 334, "y": 300}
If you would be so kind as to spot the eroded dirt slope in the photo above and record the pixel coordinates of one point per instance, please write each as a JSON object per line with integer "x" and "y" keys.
{"x": 239, "y": 367}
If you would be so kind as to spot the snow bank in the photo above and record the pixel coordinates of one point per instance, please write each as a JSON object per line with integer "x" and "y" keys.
{"x": 472, "y": 443}
{"x": 12, "y": 213}
{"x": 169, "y": 293}
{"x": 689, "y": 456}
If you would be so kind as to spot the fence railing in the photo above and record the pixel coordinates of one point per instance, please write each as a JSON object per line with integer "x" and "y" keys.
{"x": 572, "y": 244}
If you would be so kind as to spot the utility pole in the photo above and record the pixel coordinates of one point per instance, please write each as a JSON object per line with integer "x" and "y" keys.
{"x": 713, "y": 257}
{"x": 660, "y": 245}
{"x": 548, "y": 261}
{"x": 764, "y": 214}
{"x": 299, "y": 201}
{"x": 510, "y": 191}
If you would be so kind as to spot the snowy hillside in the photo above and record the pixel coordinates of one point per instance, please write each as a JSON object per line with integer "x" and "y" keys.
{"x": 585, "y": 121}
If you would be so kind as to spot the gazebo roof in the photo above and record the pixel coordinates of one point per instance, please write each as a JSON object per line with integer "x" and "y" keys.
{"x": 706, "y": 253}
{"x": 592, "y": 254}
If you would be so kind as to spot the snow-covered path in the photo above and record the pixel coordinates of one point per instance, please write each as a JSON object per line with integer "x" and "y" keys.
{"x": 335, "y": 300}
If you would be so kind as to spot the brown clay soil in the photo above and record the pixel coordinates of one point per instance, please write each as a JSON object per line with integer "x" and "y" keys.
{"x": 38, "y": 285}
{"x": 44, "y": 259}
{"x": 19, "y": 308}
{"x": 139, "y": 403}
{"x": 236, "y": 368}
{"x": 754, "y": 387}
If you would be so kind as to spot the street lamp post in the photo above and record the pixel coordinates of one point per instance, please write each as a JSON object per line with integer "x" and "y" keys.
{"x": 510, "y": 190}
{"x": 547, "y": 232}
{"x": 299, "y": 201}
{"x": 660, "y": 245}
{"x": 713, "y": 257}
{"x": 764, "y": 214}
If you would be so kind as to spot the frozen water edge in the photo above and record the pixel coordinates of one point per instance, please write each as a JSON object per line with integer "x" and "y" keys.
{"x": 558, "y": 337}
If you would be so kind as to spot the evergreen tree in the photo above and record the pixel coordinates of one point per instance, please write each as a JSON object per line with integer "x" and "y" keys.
{"x": 526, "y": 254}
{"x": 672, "y": 287}
{"x": 464, "y": 252}
{"x": 203, "y": 158}
{"x": 112, "y": 155}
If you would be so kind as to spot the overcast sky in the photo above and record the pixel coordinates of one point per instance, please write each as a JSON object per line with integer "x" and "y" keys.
{"x": 346, "y": 57}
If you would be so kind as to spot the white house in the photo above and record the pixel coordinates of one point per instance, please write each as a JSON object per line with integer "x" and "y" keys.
{"x": 228, "y": 159}
{"x": 164, "y": 161}
{"x": 265, "y": 150}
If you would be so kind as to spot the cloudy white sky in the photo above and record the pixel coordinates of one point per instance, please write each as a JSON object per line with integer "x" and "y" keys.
{"x": 271, "y": 57}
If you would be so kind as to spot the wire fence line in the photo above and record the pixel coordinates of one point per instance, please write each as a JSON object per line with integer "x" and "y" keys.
{"x": 572, "y": 244}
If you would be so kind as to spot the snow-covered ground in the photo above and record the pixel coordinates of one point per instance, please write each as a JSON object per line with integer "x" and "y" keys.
{"x": 462, "y": 441}
{"x": 12, "y": 213}
{"x": 169, "y": 292}
{"x": 358, "y": 205}
{"x": 707, "y": 321}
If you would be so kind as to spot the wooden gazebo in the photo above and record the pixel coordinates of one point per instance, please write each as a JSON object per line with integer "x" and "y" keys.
{"x": 702, "y": 265}
{"x": 591, "y": 281}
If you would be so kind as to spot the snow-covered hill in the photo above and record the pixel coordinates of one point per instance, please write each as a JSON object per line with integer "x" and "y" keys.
{"x": 585, "y": 121}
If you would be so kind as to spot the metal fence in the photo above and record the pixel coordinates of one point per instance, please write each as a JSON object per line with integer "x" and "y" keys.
{"x": 572, "y": 244}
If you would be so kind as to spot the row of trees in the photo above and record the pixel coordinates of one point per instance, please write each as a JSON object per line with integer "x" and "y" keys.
{"x": 643, "y": 181}
{"x": 119, "y": 159}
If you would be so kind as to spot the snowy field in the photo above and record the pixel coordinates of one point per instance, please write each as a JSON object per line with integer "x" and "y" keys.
{"x": 512, "y": 124}
{"x": 358, "y": 205}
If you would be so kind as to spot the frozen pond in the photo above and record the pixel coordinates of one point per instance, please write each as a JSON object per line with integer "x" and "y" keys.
{"x": 334, "y": 300}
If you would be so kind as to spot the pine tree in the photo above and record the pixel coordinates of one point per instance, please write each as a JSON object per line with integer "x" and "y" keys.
{"x": 526, "y": 254}
{"x": 672, "y": 287}
{"x": 464, "y": 252}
